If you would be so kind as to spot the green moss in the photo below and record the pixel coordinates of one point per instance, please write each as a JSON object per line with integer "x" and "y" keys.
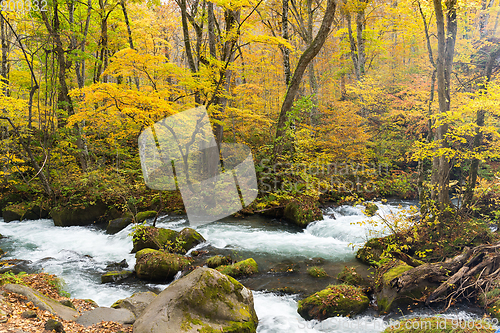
{"x": 143, "y": 216}
{"x": 317, "y": 272}
{"x": 370, "y": 209}
{"x": 371, "y": 251}
{"x": 158, "y": 265}
{"x": 241, "y": 268}
{"x": 350, "y": 276}
{"x": 395, "y": 272}
{"x": 338, "y": 300}
{"x": 218, "y": 260}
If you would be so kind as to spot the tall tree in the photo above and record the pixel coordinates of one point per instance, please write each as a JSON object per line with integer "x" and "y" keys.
{"x": 446, "y": 35}
{"x": 304, "y": 60}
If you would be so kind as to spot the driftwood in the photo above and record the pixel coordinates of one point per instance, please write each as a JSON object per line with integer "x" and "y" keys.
{"x": 469, "y": 273}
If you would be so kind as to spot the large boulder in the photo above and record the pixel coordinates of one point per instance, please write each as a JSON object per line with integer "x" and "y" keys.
{"x": 387, "y": 296}
{"x": 143, "y": 216}
{"x": 303, "y": 212}
{"x": 153, "y": 238}
{"x": 158, "y": 265}
{"x": 118, "y": 224}
{"x": 70, "y": 216}
{"x": 335, "y": 300}
{"x": 136, "y": 303}
{"x": 190, "y": 238}
{"x": 202, "y": 301}
{"x": 14, "y": 212}
{"x": 241, "y": 268}
{"x": 43, "y": 302}
{"x": 95, "y": 316}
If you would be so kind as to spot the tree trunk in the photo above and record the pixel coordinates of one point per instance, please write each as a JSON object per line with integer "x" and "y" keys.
{"x": 129, "y": 32}
{"x": 304, "y": 61}
{"x": 446, "y": 51}
{"x": 4, "y": 68}
{"x": 284, "y": 50}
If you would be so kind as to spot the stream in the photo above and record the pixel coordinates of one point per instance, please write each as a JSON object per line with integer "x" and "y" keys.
{"x": 80, "y": 256}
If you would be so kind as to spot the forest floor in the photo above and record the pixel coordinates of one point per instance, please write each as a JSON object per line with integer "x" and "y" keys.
{"x": 15, "y": 305}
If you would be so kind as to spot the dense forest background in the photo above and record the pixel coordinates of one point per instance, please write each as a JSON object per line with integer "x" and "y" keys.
{"x": 350, "y": 87}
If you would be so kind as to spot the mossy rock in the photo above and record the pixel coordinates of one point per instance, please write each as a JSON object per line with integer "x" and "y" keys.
{"x": 157, "y": 265}
{"x": 441, "y": 325}
{"x": 153, "y": 238}
{"x": 370, "y": 209}
{"x": 15, "y": 212}
{"x": 115, "y": 276}
{"x": 317, "y": 272}
{"x": 190, "y": 238}
{"x": 303, "y": 212}
{"x": 371, "y": 251}
{"x": 70, "y": 216}
{"x": 335, "y": 300}
{"x": 387, "y": 297}
{"x": 143, "y": 216}
{"x": 119, "y": 224}
{"x": 241, "y": 268}
{"x": 202, "y": 301}
{"x": 218, "y": 260}
{"x": 348, "y": 275}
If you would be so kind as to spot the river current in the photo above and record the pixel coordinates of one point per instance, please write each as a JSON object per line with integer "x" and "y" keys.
{"x": 80, "y": 255}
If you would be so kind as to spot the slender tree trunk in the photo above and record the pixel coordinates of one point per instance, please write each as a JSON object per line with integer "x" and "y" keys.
{"x": 446, "y": 51}
{"x": 304, "y": 61}
{"x": 284, "y": 50}
{"x": 4, "y": 68}
{"x": 129, "y": 32}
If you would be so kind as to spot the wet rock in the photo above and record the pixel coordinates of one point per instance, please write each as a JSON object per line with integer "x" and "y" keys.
{"x": 158, "y": 265}
{"x": 286, "y": 266}
{"x": 303, "y": 212}
{"x": 316, "y": 261}
{"x": 29, "y": 314}
{"x": 317, "y": 272}
{"x": 338, "y": 300}
{"x": 70, "y": 216}
{"x": 190, "y": 238}
{"x": 350, "y": 276}
{"x": 54, "y": 325}
{"x": 153, "y": 238}
{"x": 143, "y": 216}
{"x": 68, "y": 303}
{"x": 136, "y": 303}
{"x": 43, "y": 302}
{"x": 117, "y": 265}
{"x": 118, "y": 224}
{"x": 218, "y": 260}
{"x": 241, "y": 268}
{"x": 95, "y": 316}
{"x": 15, "y": 266}
{"x": 202, "y": 301}
{"x": 115, "y": 276}
{"x": 13, "y": 213}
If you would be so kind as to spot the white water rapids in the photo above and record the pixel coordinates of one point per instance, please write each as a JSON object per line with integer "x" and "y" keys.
{"x": 80, "y": 254}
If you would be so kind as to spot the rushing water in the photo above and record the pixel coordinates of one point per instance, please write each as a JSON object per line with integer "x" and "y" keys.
{"x": 80, "y": 255}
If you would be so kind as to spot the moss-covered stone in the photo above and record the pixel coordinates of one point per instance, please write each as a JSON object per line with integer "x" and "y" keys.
{"x": 371, "y": 251}
{"x": 153, "y": 238}
{"x": 158, "y": 265}
{"x": 115, "y": 276}
{"x": 317, "y": 272}
{"x": 388, "y": 297}
{"x": 491, "y": 301}
{"x": 302, "y": 212}
{"x": 241, "y": 268}
{"x": 14, "y": 212}
{"x": 189, "y": 238}
{"x": 143, "y": 216}
{"x": 338, "y": 300}
{"x": 218, "y": 260}
{"x": 118, "y": 224}
{"x": 202, "y": 301}
{"x": 70, "y": 216}
{"x": 349, "y": 275}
